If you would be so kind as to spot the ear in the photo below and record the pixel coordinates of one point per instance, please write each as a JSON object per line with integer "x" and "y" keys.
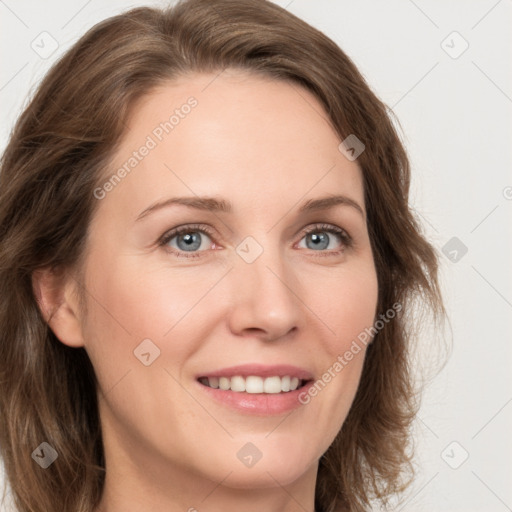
{"x": 55, "y": 292}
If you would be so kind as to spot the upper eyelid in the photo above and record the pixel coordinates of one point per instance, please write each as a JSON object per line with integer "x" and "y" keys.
{"x": 186, "y": 228}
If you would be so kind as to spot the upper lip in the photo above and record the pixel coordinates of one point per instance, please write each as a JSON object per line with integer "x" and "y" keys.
{"x": 260, "y": 370}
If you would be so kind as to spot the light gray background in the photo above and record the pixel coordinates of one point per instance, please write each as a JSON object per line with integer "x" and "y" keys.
{"x": 455, "y": 112}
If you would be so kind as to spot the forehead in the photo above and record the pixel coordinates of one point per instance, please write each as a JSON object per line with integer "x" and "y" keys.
{"x": 234, "y": 134}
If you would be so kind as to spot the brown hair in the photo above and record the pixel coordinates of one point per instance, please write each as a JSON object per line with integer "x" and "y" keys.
{"x": 61, "y": 146}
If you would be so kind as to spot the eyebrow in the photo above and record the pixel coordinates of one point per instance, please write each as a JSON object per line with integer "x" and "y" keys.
{"x": 212, "y": 204}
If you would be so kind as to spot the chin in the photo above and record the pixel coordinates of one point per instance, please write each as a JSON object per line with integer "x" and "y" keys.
{"x": 280, "y": 465}
{"x": 263, "y": 476}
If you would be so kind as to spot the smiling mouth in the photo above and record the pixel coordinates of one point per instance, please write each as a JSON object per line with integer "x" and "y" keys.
{"x": 254, "y": 384}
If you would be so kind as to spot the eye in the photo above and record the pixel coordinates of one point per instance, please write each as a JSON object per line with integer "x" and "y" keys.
{"x": 326, "y": 236}
{"x": 190, "y": 241}
{"x": 187, "y": 239}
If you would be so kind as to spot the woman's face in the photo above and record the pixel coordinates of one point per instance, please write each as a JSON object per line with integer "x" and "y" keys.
{"x": 257, "y": 287}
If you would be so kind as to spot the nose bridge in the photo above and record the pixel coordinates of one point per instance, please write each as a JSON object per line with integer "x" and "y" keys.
{"x": 263, "y": 289}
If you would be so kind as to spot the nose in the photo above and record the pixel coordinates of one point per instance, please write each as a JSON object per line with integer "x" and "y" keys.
{"x": 265, "y": 302}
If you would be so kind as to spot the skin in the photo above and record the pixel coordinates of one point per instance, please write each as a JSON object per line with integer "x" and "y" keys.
{"x": 267, "y": 147}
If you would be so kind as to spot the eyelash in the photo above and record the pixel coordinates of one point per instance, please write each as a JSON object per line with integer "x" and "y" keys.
{"x": 202, "y": 228}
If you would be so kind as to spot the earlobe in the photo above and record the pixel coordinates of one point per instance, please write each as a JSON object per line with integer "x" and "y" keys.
{"x": 54, "y": 293}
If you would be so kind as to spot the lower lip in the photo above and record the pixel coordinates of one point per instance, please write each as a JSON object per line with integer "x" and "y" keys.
{"x": 261, "y": 404}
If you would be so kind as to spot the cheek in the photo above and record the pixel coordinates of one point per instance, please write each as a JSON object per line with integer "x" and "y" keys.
{"x": 347, "y": 305}
{"x": 129, "y": 302}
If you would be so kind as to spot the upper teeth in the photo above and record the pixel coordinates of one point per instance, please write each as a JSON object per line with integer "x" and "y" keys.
{"x": 253, "y": 384}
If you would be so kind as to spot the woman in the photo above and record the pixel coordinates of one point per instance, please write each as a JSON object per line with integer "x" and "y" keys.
{"x": 208, "y": 261}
